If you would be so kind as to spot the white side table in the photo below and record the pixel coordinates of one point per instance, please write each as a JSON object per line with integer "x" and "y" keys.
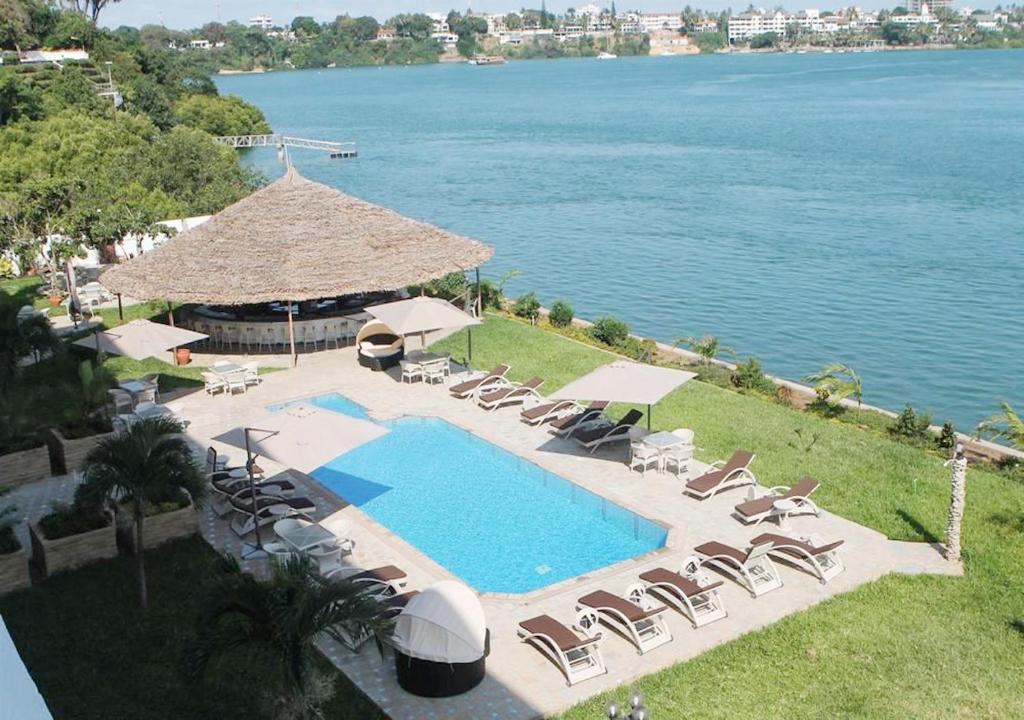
{"x": 781, "y": 509}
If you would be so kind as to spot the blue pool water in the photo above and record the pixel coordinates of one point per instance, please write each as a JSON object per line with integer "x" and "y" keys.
{"x": 497, "y": 521}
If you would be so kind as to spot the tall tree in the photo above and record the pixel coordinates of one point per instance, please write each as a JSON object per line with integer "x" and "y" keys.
{"x": 1004, "y": 425}
{"x": 149, "y": 462}
{"x": 89, "y": 8}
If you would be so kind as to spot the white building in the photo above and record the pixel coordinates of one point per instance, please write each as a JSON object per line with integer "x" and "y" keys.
{"x": 661, "y": 21}
{"x": 199, "y": 44}
{"x": 925, "y": 17}
{"x": 518, "y": 37}
{"x": 629, "y": 23}
{"x": 590, "y": 10}
{"x": 53, "y": 56}
{"x": 747, "y": 25}
{"x": 924, "y": 7}
{"x": 440, "y": 23}
{"x": 263, "y": 22}
{"x": 706, "y": 26}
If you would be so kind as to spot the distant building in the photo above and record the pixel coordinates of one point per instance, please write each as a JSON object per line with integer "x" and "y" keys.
{"x": 440, "y": 23}
{"x": 746, "y": 25}
{"x": 199, "y": 44}
{"x": 387, "y": 34}
{"x": 263, "y": 22}
{"x": 30, "y": 57}
{"x": 590, "y": 10}
{"x": 661, "y": 21}
{"x": 629, "y": 24}
{"x": 706, "y": 26}
{"x": 924, "y": 7}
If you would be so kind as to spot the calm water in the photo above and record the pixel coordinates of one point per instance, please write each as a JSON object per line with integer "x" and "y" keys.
{"x": 804, "y": 208}
{"x": 528, "y": 528}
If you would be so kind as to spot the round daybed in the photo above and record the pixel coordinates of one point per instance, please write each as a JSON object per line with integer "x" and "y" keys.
{"x": 379, "y": 347}
{"x": 441, "y": 641}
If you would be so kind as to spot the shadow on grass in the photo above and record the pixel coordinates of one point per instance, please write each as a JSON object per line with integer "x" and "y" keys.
{"x": 919, "y": 528}
{"x": 1017, "y": 624}
{"x": 1011, "y": 521}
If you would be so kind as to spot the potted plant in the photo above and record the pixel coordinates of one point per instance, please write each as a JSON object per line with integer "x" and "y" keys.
{"x": 54, "y": 297}
{"x": 183, "y": 355}
{"x": 13, "y": 558}
{"x": 70, "y": 536}
{"x": 148, "y": 465}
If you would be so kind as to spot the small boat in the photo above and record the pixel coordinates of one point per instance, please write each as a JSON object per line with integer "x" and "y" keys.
{"x": 487, "y": 60}
{"x": 606, "y": 56}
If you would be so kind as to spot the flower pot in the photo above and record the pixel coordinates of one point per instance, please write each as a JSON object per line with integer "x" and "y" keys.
{"x": 55, "y": 300}
{"x": 73, "y": 551}
{"x": 183, "y": 355}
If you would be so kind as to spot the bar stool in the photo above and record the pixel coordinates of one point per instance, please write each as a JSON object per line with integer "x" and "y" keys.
{"x": 267, "y": 338}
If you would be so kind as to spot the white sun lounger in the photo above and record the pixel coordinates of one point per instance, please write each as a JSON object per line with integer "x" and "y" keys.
{"x": 511, "y": 395}
{"x": 751, "y": 568}
{"x": 579, "y": 658}
{"x": 808, "y": 554}
{"x": 594, "y": 438}
{"x": 696, "y": 599}
{"x": 723, "y": 475}
{"x": 760, "y": 509}
{"x": 635, "y": 618}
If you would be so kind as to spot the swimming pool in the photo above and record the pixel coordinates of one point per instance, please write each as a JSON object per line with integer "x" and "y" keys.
{"x": 497, "y": 521}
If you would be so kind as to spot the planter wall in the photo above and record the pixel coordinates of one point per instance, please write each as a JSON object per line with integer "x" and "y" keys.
{"x": 67, "y": 456}
{"x": 25, "y": 466}
{"x": 52, "y": 556}
{"x": 14, "y": 571}
{"x": 163, "y": 527}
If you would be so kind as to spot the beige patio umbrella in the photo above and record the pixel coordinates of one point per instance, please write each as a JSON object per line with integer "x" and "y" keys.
{"x": 626, "y": 382}
{"x": 303, "y": 437}
{"x": 421, "y": 315}
{"x": 140, "y": 339}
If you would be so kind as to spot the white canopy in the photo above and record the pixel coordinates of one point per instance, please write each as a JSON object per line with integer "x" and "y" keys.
{"x": 444, "y": 623}
{"x": 304, "y": 437}
{"x": 139, "y": 339}
{"x": 421, "y": 314}
{"x": 19, "y": 697}
{"x": 627, "y": 382}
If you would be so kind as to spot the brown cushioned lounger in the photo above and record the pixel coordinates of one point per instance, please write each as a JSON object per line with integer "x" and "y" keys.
{"x": 592, "y": 412}
{"x": 685, "y": 585}
{"x": 502, "y": 393}
{"x": 470, "y": 385}
{"x": 562, "y": 636}
{"x": 241, "y": 484}
{"x": 396, "y": 603}
{"x": 762, "y": 505}
{"x": 587, "y": 436}
{"x": 384, "y": 574}
{"x": 538, "y": 412}
{"x": 711, "y": 479}
{"x": 780, "y": 543}
{"x": 632, "y": 611}
{"x": 265, "y": 501}
{"x": 716, "y": 548}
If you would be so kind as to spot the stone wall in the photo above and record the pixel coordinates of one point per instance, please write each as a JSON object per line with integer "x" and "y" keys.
{"x": 14, "y": 571}
{"x": 19, "y": 468}
{"x": 68, "y": 455}
{"x": 162, "y": 528}
{"x": 52, "y": 556}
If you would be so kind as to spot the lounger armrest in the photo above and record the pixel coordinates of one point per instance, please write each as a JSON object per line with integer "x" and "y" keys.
{"x": 718, "y": 464}
{"x": 779, "y": 489}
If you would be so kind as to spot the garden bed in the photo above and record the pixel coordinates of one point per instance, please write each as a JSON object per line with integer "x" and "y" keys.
{"x": 67, "y": 455}
{"x": 72, "y": 551}
{"x": 160, "y": 527}
{"x": 24, "y": 466}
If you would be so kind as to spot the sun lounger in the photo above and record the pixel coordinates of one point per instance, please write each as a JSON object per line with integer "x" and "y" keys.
{"x": 760, "y": 509}
{"x": 698, "y": 601}
{"x": 635, "y": 618}
{"x": 390, "y": 606}
{"x": 579, "y": 658}
{"x": 723, "y": 475}
{"x": 495, "y": 378}
{"x": 751, "y": 568}
{"x": 386, "y": 581}
{"x": 511, "y": 395}
{"x": 268, "y": 509}
{"x": 590, "y": 418}
{"x": 225, "y": 488}
{"x": 819, "y": 559}
{"x": 549, "y": 410}
{"x": 594, "y": 438}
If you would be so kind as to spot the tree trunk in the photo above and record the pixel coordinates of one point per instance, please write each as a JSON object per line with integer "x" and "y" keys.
{"x": 140, "y": 556}
{"x": 956, "y": 507}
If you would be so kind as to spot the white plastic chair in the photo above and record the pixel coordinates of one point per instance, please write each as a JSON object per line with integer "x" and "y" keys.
{"x": 121, "y": 402}
{"x": 213, "y": 383}
{"x": 411, "y": 371}
{"x": 267, "y": 337}
{"x": 327, "y": 557}
{"x": 641, "y": 456}
{"x": 251, "y": 374}
{"x": 333, "y": 334}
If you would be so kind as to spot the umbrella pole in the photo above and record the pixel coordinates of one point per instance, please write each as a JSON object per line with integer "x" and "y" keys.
{"x": 250, "y": 552}
{"x": 170, "y": 314}
{"x": 120, "y": 308}
{"x": 648, "y": 417}
{"x": 469, "y": 348}
{"x": 291, "y": 334}
{"x": 479, "y": 300}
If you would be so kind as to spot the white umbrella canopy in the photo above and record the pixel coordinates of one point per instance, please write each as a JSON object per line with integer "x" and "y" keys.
{"x": 626, "y": 382}
{"x": 140, "y": 339}
{"x": 444, "y": 623}
{"x": 421, "y": 314}
{"x": 303, "y": 437}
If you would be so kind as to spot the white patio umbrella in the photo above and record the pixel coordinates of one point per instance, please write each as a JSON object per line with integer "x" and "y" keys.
{"x": 421, "y": 315}
{"x": 303, "y": 437}
{"x": 140, "y": 339}
{"x": 626, "y": 382}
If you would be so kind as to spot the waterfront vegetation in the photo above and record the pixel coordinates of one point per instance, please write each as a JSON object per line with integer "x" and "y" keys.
{"x": 902, "y": 646}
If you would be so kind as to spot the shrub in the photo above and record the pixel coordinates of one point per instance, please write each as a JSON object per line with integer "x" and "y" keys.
{"x": 451, "y": 286}
{"x": 527, "y": 306}
{"x": 749, "y": 375}
{"x": 947, "y": 437}
{"x": 908, "y": 425}
{"x": 490, "y": 295}
{"x": 65, "y": 520}
{"x": 610, "y": 330}
{"x": 561, "y": 314}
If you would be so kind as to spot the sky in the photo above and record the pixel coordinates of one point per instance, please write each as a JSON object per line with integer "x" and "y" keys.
{"x": 185, "y": 14}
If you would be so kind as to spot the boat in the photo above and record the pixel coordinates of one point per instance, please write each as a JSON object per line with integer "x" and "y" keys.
{"x": 487, "y": 60}
{"x": 606, "y": 56}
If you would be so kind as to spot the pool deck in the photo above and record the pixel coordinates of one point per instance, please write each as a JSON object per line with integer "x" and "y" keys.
{"x": 520, "y": 682}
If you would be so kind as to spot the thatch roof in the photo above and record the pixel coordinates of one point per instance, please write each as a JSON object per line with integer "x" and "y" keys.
{"x": 295, "y": 240}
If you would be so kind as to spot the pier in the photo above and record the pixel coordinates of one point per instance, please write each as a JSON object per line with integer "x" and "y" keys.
{"x": 335, "y": 149}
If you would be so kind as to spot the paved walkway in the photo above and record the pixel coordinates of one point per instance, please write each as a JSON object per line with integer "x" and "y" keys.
{"x": 520, "y": 683}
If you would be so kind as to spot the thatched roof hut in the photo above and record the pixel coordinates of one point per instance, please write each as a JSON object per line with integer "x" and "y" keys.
{"x": 295, "y": 240}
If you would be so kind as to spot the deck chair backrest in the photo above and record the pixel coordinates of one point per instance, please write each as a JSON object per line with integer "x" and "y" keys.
{"x": 805, "y": 487}
{"x": 533, "y": 383}
{"x": 631, "y": 418}
{"x": 758, "y": 551}
{"x": 211, "y": 459}
{"x": 498, "y": 371}
{"x": 739, "y": 460}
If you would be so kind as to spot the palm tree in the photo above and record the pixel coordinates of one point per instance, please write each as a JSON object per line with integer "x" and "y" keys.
{"x": 707, "y": 347}
{"x": 1005, "y": 425}
{"x": 20, "y": 337}
{"x": 837, "y": 381}
{"x": 279, "y": 619}
{"x": 149, "y": 462}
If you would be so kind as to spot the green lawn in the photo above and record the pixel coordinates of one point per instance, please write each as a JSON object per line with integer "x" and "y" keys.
{"x": 900, "y": 647}
{"x": 96, "y": 656}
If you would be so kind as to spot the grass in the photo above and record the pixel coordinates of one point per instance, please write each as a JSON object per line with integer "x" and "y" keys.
{"x": 94, "y": 655}
{"x": 896, "y": 648}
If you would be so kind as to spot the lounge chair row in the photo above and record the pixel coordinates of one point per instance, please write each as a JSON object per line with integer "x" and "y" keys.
{"x": 638, "y": 616}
